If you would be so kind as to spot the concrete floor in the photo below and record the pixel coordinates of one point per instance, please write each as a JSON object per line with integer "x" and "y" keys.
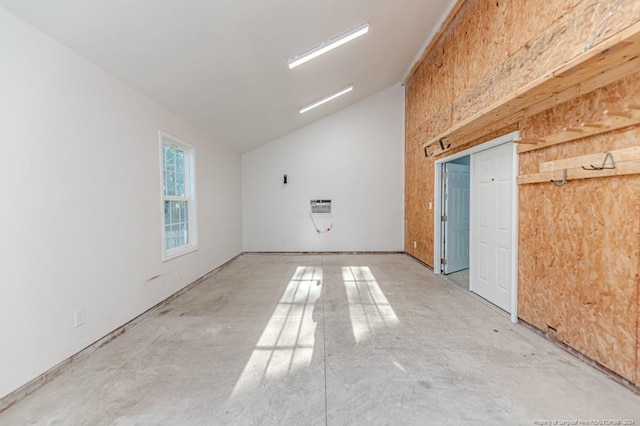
{"x": 339, "y": 340}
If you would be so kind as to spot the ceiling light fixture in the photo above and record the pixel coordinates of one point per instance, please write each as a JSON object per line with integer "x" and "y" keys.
{"x": 328, "y": 45}
{"x": 325, "y": 99}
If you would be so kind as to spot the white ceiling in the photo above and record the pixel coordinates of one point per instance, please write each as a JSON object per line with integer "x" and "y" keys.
{"x": 222, "y": 64}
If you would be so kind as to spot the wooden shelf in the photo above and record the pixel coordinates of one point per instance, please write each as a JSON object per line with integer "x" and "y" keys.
{"x": 613, "y": 120}
{"x": 611, "y": 60}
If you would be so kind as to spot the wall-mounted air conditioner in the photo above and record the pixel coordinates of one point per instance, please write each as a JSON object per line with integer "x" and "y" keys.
{"x": 321, "y": 207}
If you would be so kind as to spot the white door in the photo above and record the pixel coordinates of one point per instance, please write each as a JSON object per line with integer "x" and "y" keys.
{"x": 492, "y": 200}
{"x": 456, "y": 217}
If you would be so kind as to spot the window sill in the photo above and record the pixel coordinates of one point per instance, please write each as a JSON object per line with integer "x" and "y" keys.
{"x": 174, "y": 253}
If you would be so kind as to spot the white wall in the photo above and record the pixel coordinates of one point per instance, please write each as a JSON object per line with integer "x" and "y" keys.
{"x": 80, "y": 205}
{"x": 354, "y": 157}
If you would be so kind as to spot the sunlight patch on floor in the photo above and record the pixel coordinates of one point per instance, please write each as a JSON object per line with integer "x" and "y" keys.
{"x": 369, "y": 309}
{"x": 287, "y": 342}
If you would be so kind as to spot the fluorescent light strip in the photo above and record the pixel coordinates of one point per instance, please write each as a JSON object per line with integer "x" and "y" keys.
{"x": 328, "y": 45}
{"x": 325, "y": 99}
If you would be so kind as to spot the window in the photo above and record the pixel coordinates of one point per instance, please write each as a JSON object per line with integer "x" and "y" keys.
{"x": 179, "y": 227}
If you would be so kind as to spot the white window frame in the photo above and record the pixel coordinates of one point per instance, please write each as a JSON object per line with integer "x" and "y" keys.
{"x": 190, "y": 195}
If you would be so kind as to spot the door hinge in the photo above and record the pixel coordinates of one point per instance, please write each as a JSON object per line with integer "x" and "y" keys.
{"x": 445, "y": 175}
{"x": 444, "y": 218}
{"x": 443, "y": 261}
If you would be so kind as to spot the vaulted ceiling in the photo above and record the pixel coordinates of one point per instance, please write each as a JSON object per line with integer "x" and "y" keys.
{"x": 222, "y": 64}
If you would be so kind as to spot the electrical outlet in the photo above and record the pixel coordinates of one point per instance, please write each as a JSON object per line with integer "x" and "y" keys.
{"x": 430, "y": 205}
{"x": 415, "y": 244}
{"x": 80, "y": 317}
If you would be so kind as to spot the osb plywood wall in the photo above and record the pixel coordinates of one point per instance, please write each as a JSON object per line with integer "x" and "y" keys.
{"x": 580, "y": 243}
{"x": 578, "y": 254}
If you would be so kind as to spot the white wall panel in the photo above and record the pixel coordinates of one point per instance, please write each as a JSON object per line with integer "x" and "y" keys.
{"x": 353, "y": 157}
{"x": 80, "y": 209}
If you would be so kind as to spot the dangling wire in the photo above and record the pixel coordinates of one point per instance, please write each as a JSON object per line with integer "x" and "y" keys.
{"x": 316, "y": 226}
{"x": 603, "y": 26}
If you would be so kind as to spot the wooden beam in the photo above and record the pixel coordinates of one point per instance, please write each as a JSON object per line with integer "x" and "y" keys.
{"x": 614, "y": 74}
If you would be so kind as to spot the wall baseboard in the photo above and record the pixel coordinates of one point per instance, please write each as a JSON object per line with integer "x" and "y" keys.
{"x": 419, "y": 261}
{"x": 35, "y": 384}
{"x": 584, "y": 358}
{"x": 317, "y": 253}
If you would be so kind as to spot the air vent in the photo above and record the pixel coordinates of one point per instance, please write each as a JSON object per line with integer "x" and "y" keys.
{"x": 321, "y": 207}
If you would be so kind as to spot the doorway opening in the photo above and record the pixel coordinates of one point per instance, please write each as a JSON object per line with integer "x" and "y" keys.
{"x": 454, "y": 204}
{"x": 475, "y": 221}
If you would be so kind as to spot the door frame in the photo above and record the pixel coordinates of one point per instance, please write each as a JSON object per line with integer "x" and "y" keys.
{"x": 437, "y": 210}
